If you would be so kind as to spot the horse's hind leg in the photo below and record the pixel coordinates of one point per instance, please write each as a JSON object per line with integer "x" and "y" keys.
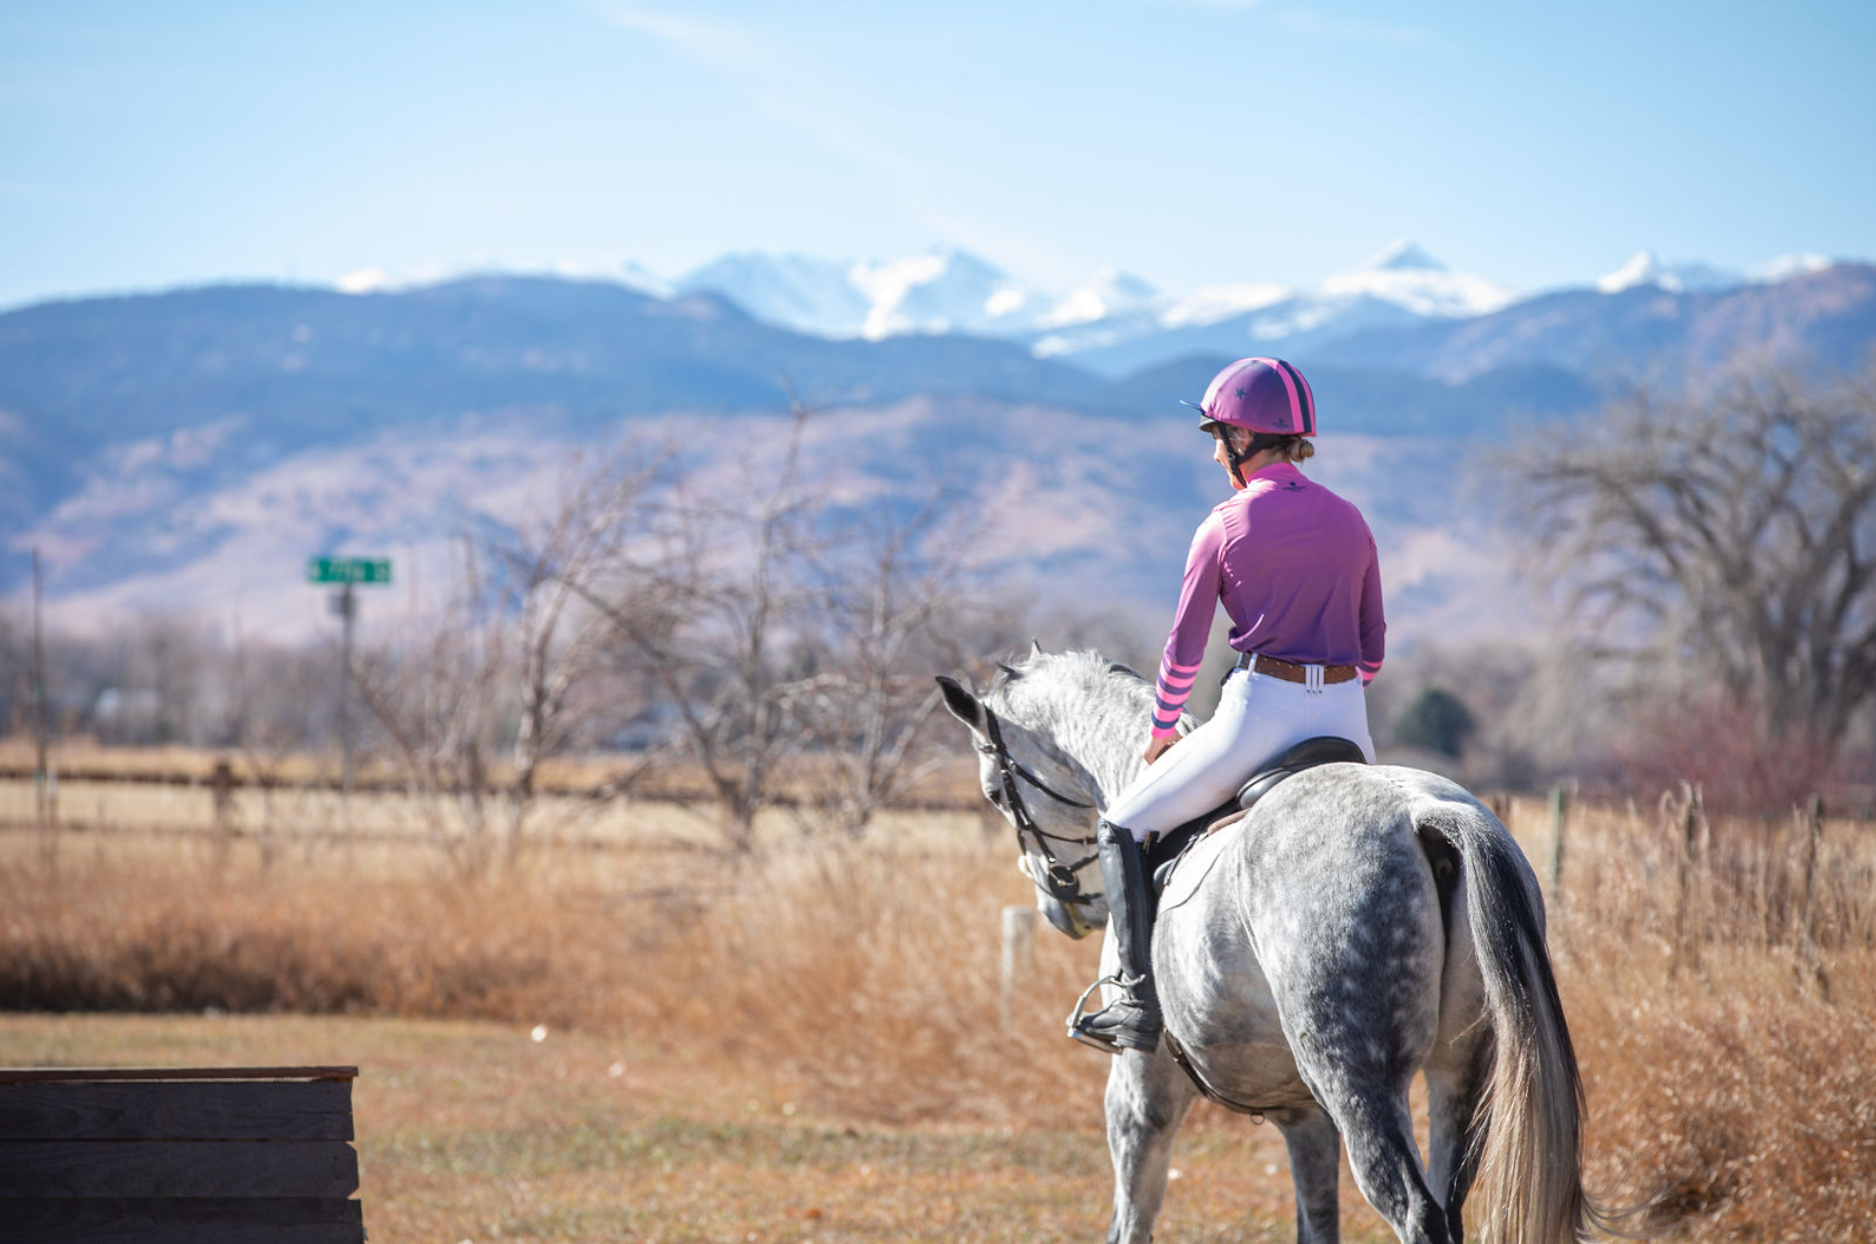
{"x": 1459, "y": 1065}
{"x": 1455, "y": 1085}
{"x": 1379, "y": 1132}
{"x": 1147, "y": 1100}
{"x": 1315, "y": 1168}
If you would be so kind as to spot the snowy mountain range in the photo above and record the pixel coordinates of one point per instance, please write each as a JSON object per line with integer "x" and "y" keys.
{"x": 948, "y": 291}
{"x": 1116, "y": 322}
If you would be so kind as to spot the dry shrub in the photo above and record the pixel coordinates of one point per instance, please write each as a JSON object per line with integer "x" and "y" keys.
{"x": 868, "y": 977}
{"x": 1721, "y": 744}
{"x": 150, "y": 939}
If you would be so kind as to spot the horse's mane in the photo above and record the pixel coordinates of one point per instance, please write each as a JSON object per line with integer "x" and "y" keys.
{"x": 1056, "y": 678}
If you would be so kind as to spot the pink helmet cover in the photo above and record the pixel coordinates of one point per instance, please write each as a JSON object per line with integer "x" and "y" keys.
{"x": 1262, "y": 394}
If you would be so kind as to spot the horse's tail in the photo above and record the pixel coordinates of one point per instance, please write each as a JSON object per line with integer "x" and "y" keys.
{"x": 1528, "y": 1137}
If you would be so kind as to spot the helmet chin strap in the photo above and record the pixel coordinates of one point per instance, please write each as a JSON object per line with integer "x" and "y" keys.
{"x": 1236, "y": 459}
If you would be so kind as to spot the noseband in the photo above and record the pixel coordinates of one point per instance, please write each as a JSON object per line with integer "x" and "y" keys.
{"x": 1060, "y": 882}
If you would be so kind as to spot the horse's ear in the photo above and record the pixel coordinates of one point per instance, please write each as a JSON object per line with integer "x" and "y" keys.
{"x": 961, "y": 703}
{"x": 1035, "y": 647}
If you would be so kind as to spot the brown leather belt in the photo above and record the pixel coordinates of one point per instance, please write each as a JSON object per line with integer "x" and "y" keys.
{"x": 1289, "y": 671}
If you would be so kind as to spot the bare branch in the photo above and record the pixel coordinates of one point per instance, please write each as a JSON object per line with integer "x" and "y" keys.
{"x": 1733, "y": 532}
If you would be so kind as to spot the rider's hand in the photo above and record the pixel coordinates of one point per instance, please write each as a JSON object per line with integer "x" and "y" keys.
{"x": 1155, "y": 748}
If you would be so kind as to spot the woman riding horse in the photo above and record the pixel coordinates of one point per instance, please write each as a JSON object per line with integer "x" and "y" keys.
{"x": 1296, "y": 568}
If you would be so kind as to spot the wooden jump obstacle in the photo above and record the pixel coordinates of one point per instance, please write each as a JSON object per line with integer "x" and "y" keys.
{"x": 224, "y": 1155}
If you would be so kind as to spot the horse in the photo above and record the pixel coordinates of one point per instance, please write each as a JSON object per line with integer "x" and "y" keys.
{"x": 1360, "y": 925}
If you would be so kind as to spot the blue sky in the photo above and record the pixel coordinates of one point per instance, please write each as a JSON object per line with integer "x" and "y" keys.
{"x": 144, "y": 146}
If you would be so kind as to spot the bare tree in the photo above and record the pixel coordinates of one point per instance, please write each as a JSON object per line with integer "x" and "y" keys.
{"x": 713, "y": 619}
{"x": 886, "y": 596}
{"x": 1732, "y": 536}
{"x": 501, "y": 668}
{"x": 436, "y": 697}
{"x": 270, "y": 713}
{"x": 558, "y": 638}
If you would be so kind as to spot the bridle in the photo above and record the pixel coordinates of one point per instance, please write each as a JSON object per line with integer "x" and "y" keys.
{"x": 1059, "y": 881}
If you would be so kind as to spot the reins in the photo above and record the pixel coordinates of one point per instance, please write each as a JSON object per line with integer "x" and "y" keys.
{"x": 1060, "y": 882}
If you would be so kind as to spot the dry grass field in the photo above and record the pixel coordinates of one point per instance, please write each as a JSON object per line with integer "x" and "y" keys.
{"x": 473, "y": 1131}
{"x": 803, "y": 1030}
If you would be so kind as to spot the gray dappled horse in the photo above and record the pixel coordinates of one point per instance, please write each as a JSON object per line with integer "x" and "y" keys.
{"x": 1362, "y": 924}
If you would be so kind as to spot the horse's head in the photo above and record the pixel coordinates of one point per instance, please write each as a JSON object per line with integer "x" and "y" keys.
{"x": 1046, "y": 797}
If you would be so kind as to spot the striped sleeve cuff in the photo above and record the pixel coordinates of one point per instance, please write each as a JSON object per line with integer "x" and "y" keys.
{"x": 1175, "y": 684}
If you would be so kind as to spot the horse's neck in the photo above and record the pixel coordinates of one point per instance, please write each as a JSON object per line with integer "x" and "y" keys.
{"x": 1111, "y": 763}
{"x": 1104, "y": 739}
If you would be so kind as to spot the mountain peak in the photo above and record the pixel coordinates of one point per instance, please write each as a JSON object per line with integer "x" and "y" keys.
{"x": 1646, "y": 268}
{"x": 367, "y": 281}
{"x": 1108, "y": 292}
{"x": 1786, "y": 266}
{"x": 1402, "y": 255}
{"x": 1409, "y": 278}
{"x": 1641, "y": 269}
{"x": 636, "y": 276}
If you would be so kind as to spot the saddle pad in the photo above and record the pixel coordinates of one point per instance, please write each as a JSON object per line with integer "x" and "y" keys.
{"x": 1194, "y": 863}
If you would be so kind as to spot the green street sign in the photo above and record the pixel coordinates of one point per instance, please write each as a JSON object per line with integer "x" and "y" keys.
{"x": 375, "y": 570}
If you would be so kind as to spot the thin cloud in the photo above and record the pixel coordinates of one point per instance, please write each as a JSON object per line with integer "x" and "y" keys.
{"x": 738, "y": 53}
{"x": 732, "y": 51}
{"x": 1352, "y": 29}
{"x": 721, "y": 46}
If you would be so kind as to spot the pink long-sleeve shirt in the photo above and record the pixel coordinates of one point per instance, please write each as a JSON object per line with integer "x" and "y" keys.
{"x": 1295, "y": 566}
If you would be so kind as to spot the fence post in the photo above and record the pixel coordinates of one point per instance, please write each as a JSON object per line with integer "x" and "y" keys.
{"x": 221, "y": 784}
{"x": 1558, "y": 804}
{"x": 1810, "y": 961}
{"x": 1811, "y": 843}
{"x": 1019, "y": 957}
{"x": 1691, "y": 813}
{"x": 221, "y": 781}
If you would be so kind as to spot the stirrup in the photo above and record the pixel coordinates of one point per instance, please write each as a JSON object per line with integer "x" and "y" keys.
{"x": 1077, "y": 1016}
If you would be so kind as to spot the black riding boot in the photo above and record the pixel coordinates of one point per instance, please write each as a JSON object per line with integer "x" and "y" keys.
{"x": 1132, "y": 1021}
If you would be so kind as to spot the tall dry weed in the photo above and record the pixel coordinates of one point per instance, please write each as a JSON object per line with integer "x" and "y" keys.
{"x": 877, "y": 978}
{"x": 1720, "y": 980}
{"x": 1734, "y": 1106}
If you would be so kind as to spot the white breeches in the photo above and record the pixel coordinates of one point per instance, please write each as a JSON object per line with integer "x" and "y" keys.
{"x": 1258, "y": 718}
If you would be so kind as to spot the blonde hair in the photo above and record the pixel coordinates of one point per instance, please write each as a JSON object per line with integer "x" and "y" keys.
{"x": 1298, "y": 448}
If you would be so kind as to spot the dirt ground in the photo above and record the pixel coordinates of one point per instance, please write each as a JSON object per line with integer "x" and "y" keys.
{"x": 478, "y": 1132}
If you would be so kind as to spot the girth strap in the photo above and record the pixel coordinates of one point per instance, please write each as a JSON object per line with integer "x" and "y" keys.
{"x": 1199, "y": 1082}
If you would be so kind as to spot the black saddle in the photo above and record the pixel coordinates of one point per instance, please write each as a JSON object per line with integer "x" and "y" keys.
{"x": 1322, "y": 750}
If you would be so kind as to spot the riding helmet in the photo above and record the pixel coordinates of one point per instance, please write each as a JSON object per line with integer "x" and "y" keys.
{"x": 1262, "y": 394}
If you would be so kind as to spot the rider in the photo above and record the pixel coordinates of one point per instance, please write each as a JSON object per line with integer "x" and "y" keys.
{"x": 1296, "y": 568}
